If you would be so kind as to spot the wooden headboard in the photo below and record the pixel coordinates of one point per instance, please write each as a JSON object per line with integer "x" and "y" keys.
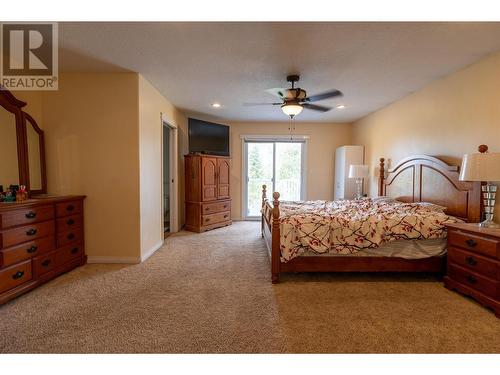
{"x": 423, "y": 178}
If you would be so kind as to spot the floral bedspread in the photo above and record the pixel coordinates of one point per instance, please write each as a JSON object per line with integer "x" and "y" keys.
{"x": 346, "y": 227}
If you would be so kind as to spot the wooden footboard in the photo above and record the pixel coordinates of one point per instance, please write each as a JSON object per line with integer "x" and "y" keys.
{"x": 271, "y": 231}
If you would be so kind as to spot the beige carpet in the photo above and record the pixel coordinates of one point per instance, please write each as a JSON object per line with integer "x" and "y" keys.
{"x": 211, "y": 293}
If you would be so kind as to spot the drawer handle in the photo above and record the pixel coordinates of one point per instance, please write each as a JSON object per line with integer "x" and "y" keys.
{"x": 225, "y": 216}
{"x": 70, "y": 222}
{"x": 471, "y": 243}
{"x": 74, "y": 250}
{"x": 46, "y": 262}
{"x": 31, "y": 232}
{"x": 18, "y": 275}
{"x": 32, "y": 249}
{"x": 30, "y": 215}
{"x": 207, "y": 219}
{"x": 225, "y": 206}
{"x": 70, "y": 236}
{"x": 471, "y": 279}
{"x": 471, "y": 260}
{"x": 70, "y": 207}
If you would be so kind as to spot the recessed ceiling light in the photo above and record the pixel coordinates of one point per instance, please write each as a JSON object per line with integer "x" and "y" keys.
{"x": 340, "y": 106}
{"x": 216, "y": 105}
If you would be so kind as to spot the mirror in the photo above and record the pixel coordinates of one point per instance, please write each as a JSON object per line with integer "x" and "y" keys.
{"x": 34, "y": 156}
{"x": 22, "y": 150}
{"x": 9, "y": 162}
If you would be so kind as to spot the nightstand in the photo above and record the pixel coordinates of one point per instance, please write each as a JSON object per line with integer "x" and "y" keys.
{"x": 473, "y": 266}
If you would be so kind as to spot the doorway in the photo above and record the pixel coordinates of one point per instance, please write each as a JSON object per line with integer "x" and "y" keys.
{"x": 278, "y": 164}
{"x": 169, "y": 172}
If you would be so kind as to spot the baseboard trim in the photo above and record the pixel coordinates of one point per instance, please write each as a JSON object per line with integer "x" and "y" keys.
{"x": 115, "y": 260}
{"x": 151, "y": 251}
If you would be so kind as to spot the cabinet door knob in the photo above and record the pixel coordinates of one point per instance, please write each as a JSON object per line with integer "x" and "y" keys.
{"x": 46, "y": 262}
{"x": 70, "y": 222}
{"x": 32, "y": 249}
{"x": 70, "y": 236}
{"x": 470, "y": 242}
{"x": 31, "y": 232}
{"x": 70, "y": 207}
{"x": 74, "y": 250}
{"x": 30, "y": 215}
{"x": 18, "y": 275}
{"x": 471, "y": 260}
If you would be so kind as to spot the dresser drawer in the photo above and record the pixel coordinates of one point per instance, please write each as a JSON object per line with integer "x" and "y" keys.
{"x": 485, "y": 246}
{"x": 26, "y": 216}
{"x": 476, "y": 263}
{"x": 44, "y": 263}
{"x": 69, "y": 222}
{"x": 26, "y": 250}
{"x": 211, "y": 208}
{"x": 69, "y": 208}
{"x": 15, "y": 275}
{"x": 215, "y": 218}
{"x": 473, "y": 280}
{"x": 27, "y": 233}
{"x": 68, "y": 253}
{"x": 69, "y": 236}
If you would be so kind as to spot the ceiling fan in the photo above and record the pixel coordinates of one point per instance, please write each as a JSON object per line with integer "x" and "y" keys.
{"x": 295, "y": 99}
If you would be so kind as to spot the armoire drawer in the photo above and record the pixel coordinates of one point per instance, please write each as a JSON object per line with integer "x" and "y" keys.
{"x": 27, "y": 233}
{"x": 24, "y": 216}
{"x": 211, "y": 208}
{"x": 69, "y": 208}
{"x": 27, "y": 250}
{"x": 15, "y": 275}
{"x": 215, "y": 218}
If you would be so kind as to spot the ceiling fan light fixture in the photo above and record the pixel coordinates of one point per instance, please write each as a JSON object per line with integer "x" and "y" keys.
{"x": 292, "y": 109}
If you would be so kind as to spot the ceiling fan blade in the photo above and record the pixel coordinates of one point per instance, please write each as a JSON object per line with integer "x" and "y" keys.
{"x": 280, "y": 93}
{"x": 316, "y": 107}
{"x": 257, "y": 104}
{"x": 325, "y": 95}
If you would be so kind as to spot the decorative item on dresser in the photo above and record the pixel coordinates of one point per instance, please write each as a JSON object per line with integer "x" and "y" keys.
{"x": 39, "y": 240}
{"x": 474, "y": 263}
{"x": 208, "y": 199}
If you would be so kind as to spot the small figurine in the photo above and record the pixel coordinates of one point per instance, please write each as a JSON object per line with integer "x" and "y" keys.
{"x": 21, "y": 194}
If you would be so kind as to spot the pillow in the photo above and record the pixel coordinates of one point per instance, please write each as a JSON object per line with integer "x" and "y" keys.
{"x": 431, "y": 206}
{"x": 384, "y": 200}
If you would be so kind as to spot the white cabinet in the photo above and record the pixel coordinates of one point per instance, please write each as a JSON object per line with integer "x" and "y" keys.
{"x": 345, "y": 187}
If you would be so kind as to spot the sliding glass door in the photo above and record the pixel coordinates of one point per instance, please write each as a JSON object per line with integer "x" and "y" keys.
{"x": 278, "y": 165}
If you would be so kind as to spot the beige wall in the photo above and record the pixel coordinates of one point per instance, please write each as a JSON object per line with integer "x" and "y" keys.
{"x": 151, "y": 104}
{"x": 324, "y": 139}
{"x": 447, "y": 118}
{"x": 91, "y": 131}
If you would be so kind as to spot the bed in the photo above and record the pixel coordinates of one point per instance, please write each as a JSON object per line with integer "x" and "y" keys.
{"x": 418, "y": 178}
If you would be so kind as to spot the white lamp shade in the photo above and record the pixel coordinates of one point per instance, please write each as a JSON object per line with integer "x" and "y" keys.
{"x": 480, "y": 167}
{"x": 291, "y": 109}
{"x": 358, "y": 171}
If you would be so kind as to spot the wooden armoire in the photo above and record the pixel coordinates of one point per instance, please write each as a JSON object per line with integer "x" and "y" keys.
{"x": 208, "y": 197}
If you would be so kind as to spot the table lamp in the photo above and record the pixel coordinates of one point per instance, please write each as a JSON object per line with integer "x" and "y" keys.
{"x": 485, "y": 167}
{"x": 358, "y": 171}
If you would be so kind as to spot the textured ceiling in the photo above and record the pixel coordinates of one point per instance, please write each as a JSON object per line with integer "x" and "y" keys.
{"x": 195, "y": 64}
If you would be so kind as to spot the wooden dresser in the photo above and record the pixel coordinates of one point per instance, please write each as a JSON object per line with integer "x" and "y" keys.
{"x": 208, "y": 199}
{"x": 474, "y": 263}
{"x": 39, "y": 240}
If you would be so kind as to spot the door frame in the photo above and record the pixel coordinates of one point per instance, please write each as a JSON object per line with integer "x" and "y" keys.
{"x": 173, "y": 171}
{"x": 245, "y": 138}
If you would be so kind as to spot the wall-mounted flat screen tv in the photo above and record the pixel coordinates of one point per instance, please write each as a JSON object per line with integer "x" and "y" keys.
{"x": 208, "y": 138}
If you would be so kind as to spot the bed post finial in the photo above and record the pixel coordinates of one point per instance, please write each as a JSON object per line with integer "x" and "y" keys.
{"x": 276, "y": 204}
{"x": 381, "y": 177}
{"x": 482, "y": 149}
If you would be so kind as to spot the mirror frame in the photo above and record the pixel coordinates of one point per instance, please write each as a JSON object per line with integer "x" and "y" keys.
{"x": 13, "y": 105}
